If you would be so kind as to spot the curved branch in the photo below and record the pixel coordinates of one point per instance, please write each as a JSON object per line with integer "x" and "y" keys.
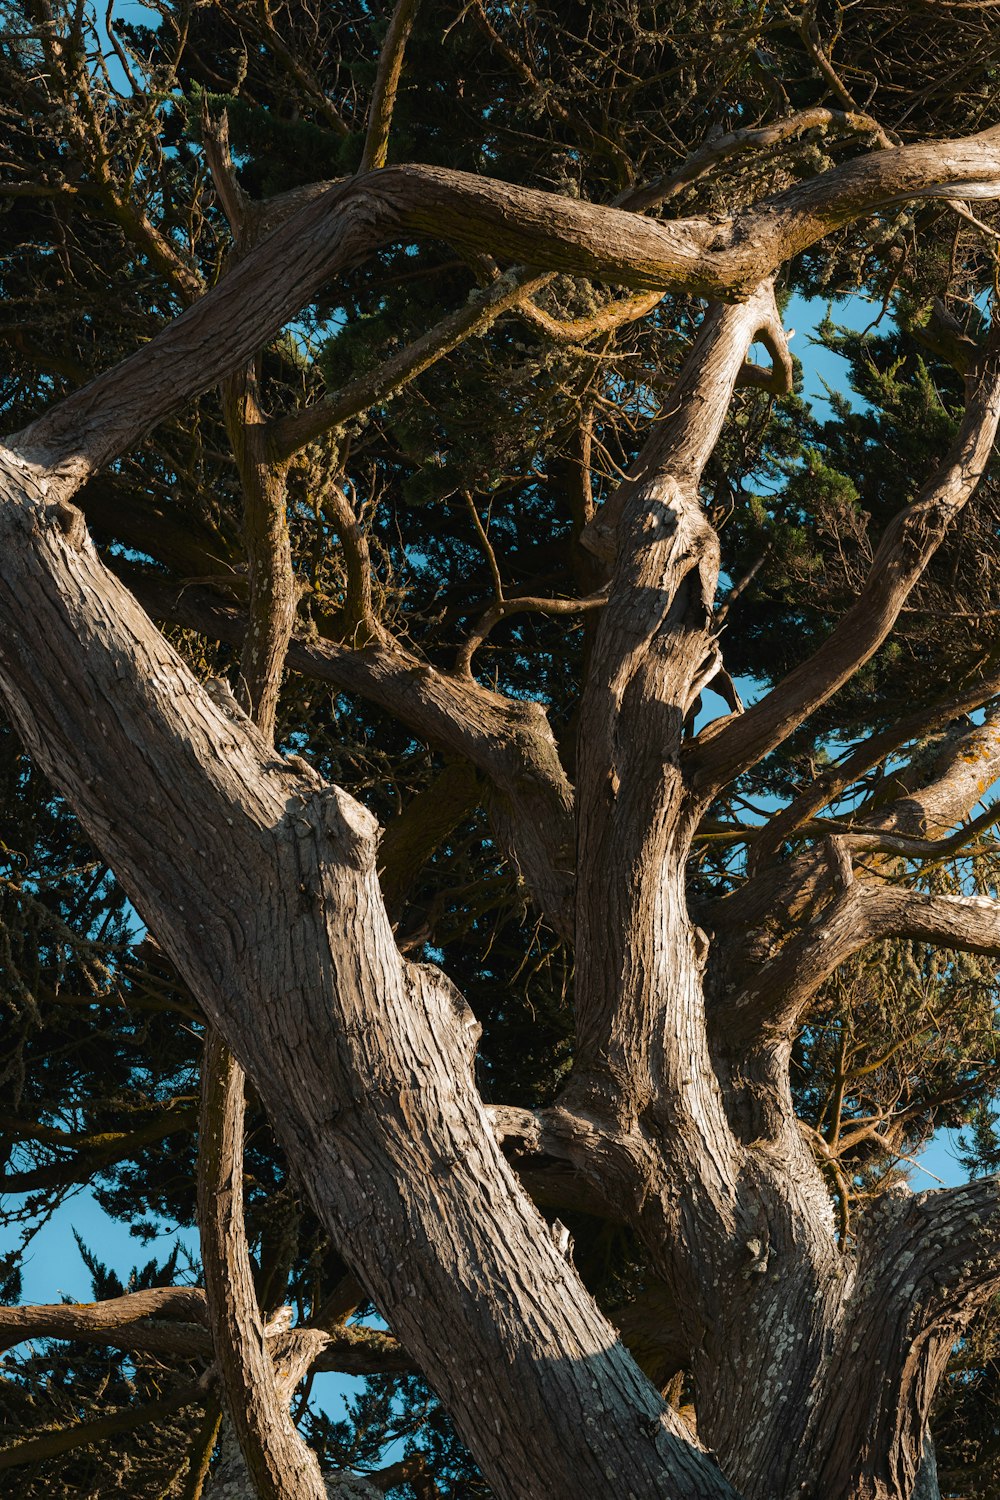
{"x": 282, "y": 1466}
{"x": 749, "y": 138}
{"x": 639, "y": 1010}
{"x": 773, "y": 1000}
{"x": 174, "y": 1321}
{"x": 346, "y": 224}
{"x": 971, "y": 923}
{"x": 863, "y": 912}
{"x": 943, "y": 781}
{"x": 579, "y": 330}
{"x": 521, "y": 604}
{"x": 102, "y": 1322}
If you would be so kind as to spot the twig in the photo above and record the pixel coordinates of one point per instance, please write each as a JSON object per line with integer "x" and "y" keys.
{"x": 504, "y": 607}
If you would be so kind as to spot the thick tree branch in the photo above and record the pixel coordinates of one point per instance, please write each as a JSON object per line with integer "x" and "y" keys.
{"x": 926, "y": 1264}
{"x": 635, "y": 704}
{"x": 865, "y": 911}
{"x": 943, "y": 781}
{"x": 286, "y": 945}
{"x": 102, "y": 1321}
{"x": 971, "y": 923}
{"x": 769, "y": 1006}
{"x": 346, "y": 224}
{"x": 173, "y": 1321}
{"x": 508, "y": 740}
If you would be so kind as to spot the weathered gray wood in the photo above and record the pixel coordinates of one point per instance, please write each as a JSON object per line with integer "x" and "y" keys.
{"x": 260, "y": 883}
{"x": 815, "y": 1364}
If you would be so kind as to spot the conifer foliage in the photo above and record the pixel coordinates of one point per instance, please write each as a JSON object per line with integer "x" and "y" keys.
{"x": 496, "y": 821}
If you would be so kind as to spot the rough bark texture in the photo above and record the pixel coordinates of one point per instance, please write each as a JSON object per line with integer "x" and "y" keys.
{"x": 281, "y": 1465}
{"x": 261, "y": 883}
{"x": 406, "y": 1174}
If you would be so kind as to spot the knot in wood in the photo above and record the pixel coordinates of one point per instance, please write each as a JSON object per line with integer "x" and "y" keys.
{"x": 354, "y": 828}
{"x": 69, "y": 519}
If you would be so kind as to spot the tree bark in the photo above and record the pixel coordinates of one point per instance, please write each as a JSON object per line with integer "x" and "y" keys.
{"x": 814, "y": 1361}
{"x": 260, "y": 882}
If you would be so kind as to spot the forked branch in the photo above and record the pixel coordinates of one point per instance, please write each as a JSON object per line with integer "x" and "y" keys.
{"x": 348, "y": 223}
{"x": 282, "y": 1466}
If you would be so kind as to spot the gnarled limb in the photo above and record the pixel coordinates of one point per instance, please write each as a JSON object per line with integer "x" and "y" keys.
{"x": 103, "y": 1321}
{"x": 943, "y": 782}
{"x": 508, "y": 740}
{"x": 348, "y": 222}
{"x": 926, "y": 1264}
{"x": 914, "y": 812}
{"x": 631, "y": 796}
{"x": 285, "y": 941}
{"x": 173, "y": 1321}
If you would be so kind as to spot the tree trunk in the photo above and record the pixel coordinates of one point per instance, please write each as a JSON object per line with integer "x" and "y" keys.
{"x": 814, "y": 1360}
{"x": 260, "y": 883}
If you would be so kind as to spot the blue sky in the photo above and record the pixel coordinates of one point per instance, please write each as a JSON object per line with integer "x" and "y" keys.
{"x": 54, "y": 1269}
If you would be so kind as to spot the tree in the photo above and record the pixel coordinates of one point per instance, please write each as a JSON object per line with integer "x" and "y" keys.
{"x": 712, "y": 952}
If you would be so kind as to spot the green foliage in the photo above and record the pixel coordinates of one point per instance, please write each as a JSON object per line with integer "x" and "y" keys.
{"x": 103, "y": 1038}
